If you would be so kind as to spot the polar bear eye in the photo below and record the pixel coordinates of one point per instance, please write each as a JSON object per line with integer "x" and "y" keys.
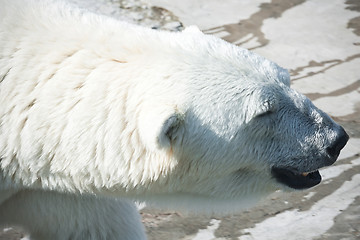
{"x": 265, "y": 113}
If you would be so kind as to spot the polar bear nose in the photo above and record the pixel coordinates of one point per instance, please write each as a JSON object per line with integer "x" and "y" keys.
{"x": 339, "y": 143}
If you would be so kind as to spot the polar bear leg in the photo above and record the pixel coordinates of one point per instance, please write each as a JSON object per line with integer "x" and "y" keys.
{"x": 56, "y": 216}
{"x": 5, "y": 194}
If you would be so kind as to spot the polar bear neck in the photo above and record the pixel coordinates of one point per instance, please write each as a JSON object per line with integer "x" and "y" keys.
{"x": 66, "y": 128}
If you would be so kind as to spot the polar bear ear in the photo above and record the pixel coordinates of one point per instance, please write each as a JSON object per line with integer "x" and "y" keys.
{"x": 265, "y": 108}
{"x": 159, "y": 128}
{"x": 284, "y": 76}
{"x": 170, "y": 130}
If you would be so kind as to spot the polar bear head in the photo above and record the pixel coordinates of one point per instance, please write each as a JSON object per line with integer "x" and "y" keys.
{"x": 242, "y": 131}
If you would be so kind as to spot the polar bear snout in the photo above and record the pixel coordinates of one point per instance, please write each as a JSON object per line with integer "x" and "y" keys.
{"x": 320, "y": 149}
{"x": 339, "y": 143}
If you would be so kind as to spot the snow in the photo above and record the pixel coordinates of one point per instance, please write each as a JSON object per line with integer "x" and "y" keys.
{"x": 207, "y": 14}
{"x": 208, "y": 234}
{"x": 295, "y": 38}
{"x": 300, "y": 224}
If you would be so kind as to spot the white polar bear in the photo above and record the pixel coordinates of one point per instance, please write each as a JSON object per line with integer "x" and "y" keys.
{"x": 95, "y": 113}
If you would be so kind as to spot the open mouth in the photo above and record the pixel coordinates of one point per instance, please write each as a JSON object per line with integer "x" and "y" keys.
{"x": 296, "y": 180}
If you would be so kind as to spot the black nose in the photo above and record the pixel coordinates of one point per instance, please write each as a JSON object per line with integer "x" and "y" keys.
{"x": 339, "y": 143}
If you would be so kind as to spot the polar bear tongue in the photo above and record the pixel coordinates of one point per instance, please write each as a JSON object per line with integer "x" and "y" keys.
{"x": 296, "y": 180}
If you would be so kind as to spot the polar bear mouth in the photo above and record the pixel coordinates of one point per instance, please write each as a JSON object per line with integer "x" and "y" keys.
{"x": 296, "y": 180}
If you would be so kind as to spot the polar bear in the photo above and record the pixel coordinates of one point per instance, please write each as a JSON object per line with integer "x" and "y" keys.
{"x": 96, "y": 113}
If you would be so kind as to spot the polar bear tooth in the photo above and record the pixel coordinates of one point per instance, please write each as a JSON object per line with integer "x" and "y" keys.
{"x": 305, "y": 174}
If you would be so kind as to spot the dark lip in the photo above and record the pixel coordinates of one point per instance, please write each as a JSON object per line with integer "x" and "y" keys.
{"x": 294, "y": 179}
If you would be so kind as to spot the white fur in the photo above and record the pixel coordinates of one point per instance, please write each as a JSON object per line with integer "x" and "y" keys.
{"x": 55, "y": 216}
{"x": 91, "y": 105}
